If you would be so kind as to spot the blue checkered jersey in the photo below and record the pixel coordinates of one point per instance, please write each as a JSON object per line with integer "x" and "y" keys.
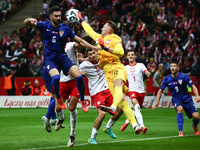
{"x": 178, "y": 87}
{"x": 54, "y": 38}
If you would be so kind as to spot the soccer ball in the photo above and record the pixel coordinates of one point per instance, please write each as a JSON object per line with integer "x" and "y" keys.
{"x": 72, "y": 15}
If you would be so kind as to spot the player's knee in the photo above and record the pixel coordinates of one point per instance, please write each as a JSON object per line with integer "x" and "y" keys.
{"x": 179, "y": 109}
{"x": 195, "y": 115}
{"x": 102, "y": 114}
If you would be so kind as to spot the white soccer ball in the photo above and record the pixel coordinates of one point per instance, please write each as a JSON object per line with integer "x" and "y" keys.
{"x": 72, "y": 15}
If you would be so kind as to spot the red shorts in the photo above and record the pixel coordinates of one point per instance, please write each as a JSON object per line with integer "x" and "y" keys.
{"x": 138, "y": 96}
{"x": 68, "y": 88}
{"x": 102, "y": 98}
{"x": 155, "y": 90}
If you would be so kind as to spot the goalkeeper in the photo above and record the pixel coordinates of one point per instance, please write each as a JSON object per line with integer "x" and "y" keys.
{"x": 115, "y": 72}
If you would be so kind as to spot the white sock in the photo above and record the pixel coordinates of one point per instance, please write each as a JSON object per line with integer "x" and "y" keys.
{"x": 73, "y": 120}
{"x": 138, "y": 115}
{"x": 152, "y": 100}
{"x": 110, "y": 123}
{"x": 127, "y": 122}
{"x": 61, "y": 114}
{"x": 114, "y": 107}
{"x": 134, "y": 125}
{"x": 94, "y": 133}
{"x": 161, "y": 99}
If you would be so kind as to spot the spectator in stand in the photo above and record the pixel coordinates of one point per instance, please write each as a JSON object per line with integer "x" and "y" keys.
{"x": 156, "y": 47}
{"x": 5, "y": 39}
{"x": 186, "y": 66}
{"x": 7, "y": 45}
{"x": 158, "y": 57}
{"x": 178, "y": 23}
{"x": 148, "y": 19}
{"x": 18, "y": 51}
{"x": 166, "y": 66}
{"x": 14, "y": 31}
{"x": 36, "y": 66}
{"x": 142, "y": 49}
{"x": 10, "y": 52}
{"x": 187, "y": 23}
{"x": 131, "y": 42}
{"x": 140, "y": 26}
{"x": 37, "y": 88}
{"x": 27, "y": 89}
{"x": 17, "y": 42}
{"x": 45, "y": 9}
{"x": 158, "y": 36}
{"x": 115, "y": 17}
{"x": 196, "y": 65}
{"x": 5, "y": 8}
{"x": 170, "y": 19}
{"x": 166, "y": 50}
{"x": 172, "y": 55}
{"x": 125, "y": 36}
{"x": 24, "y": 70}
{"x": 161, "y": 16}
{"x": 151, "y": 64}
{"x": 179, "y": 11}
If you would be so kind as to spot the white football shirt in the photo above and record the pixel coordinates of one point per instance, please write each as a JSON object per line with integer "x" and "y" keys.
{"x": 72, "y": 53}
{"x": 96, "y": 77}
{"x": 135, "y": 77}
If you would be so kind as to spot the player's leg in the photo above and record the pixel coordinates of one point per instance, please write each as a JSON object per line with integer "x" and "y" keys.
{"x": 73, "y": 119}
{"x": 74, "y": 71}
{"x": 195, "y": 120}
{"x": 161, "y": 99}
{"x": 130, "y": 115}
{"x": 55, "y": 76}
{"x": 97, "y": 124}
{"x": 192, "y": 112}
{"x": 180, "y": 118}
{"x": 111, "y": 122}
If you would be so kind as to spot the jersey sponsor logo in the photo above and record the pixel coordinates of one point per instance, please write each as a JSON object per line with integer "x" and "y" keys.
{"x": 48, "y": 30}
{"x": 180, "y": 81}
{"x": 61, "y": 32}
{"x": 107, "y": 42}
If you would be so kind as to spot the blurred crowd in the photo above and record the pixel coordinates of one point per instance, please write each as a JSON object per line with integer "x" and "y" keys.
{"x": 157, "y": 30}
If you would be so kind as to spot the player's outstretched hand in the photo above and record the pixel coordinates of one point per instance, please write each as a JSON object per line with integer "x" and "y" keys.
{"x": 80, "y": 17}
{"x": 101, "y": 43}
{"x": 197, "y": 99}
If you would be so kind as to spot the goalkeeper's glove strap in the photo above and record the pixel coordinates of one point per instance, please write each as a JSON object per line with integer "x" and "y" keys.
{"x": 106, "y": 48}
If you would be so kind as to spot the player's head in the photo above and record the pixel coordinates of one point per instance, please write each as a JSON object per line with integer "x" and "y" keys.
{"x": 109, "y": 28}
{"x": 174, "y": 67}
{"x": 92, "y": 56}
{"x": 131, "y": 55}
{"x": 55, "y": 15}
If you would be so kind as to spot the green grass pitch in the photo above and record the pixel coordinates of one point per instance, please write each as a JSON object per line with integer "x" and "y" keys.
{"x": 24, "y": 129}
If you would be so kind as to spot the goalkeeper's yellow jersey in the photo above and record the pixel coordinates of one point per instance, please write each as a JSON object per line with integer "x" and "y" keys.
{"x": 106, "y": 59}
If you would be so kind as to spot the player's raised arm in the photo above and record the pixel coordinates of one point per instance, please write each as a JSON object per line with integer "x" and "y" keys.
{"x": 194, "y": 89}
{"x": 31, "y": 22}
{"x": 158, "y": 97}
{"x": 83, "y": 43}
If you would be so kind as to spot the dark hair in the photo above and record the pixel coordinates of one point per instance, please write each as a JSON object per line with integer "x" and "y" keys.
{"x": 131, "y": 50}
{"x": 112, "y": 25}
{"x": 54, "y": 8}
{"x": 174, "y": 61}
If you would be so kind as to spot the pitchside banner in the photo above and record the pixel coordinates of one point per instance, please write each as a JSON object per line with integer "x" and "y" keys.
{"x": 43, "y": 102}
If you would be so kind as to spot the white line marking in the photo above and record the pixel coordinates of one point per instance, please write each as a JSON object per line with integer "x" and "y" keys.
{"x": 144, "y": 139}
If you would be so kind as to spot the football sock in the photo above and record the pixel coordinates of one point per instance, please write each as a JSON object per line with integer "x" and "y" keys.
{"x": 94, "y": 133}
{"x": 118, "y": 95}
{"x": 55, "y": 83}
{"x": 128, "y": 112}
{"x": 81, "y": 87}
{"x": 195, "y": 122}
{"x": 161, "y": 99}
{"x": 110, "y": 123}
{"x": 61, "y": 114}
{"x": 152, "y": 100}
{"x": 73, "y": 120}
{"x": 138, "y": 115}
{"x": 180, "y": 120}
{"x": 51, "y": 108}
{"x": 53, "y": 115}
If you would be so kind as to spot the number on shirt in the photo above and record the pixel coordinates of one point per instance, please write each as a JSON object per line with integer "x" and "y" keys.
{"x": 176, "y": 88}
{"x": 54, "y": 39}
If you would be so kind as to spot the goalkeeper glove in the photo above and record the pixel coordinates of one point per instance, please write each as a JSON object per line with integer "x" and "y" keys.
{"x": 80, "y": 17}
{"x": 101, "y": 43}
